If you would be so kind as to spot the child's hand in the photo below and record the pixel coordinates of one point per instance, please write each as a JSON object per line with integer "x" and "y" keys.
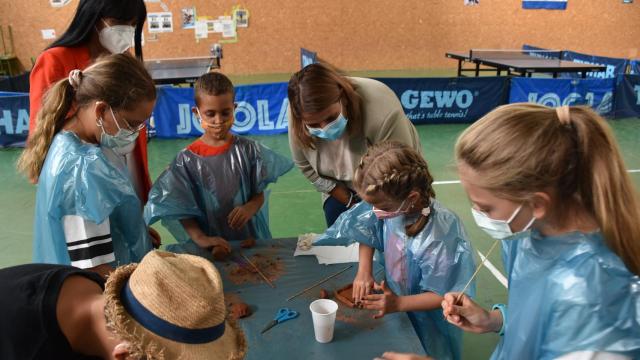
{"x": 248, "y": 243}
{"x": 156, "y": 241}
{"x": 362, "y": 285}
{"x": 468, "y": 315}
{"x": 239, "y": 217}
{"x": 217, "y": 241}
{"x": 385, "y": 303}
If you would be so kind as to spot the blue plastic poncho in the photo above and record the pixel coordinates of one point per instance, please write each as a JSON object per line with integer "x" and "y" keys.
{"x": 568, "y": 293}
{"x": 207, "y": 188}
{"x": 439, "y": 259}
{"x": 77, "y": 179}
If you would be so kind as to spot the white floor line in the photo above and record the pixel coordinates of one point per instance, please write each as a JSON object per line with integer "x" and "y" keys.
{"x": 444, "y": 182}
{"x": 494, "y": 271}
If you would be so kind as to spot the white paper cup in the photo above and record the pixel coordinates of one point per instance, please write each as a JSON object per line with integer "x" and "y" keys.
{"x": 323, "y": 312}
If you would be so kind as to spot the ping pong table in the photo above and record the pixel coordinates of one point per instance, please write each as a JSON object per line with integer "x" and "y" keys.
{"x": 520, "y": 62}
{"x": 180, "y": 70}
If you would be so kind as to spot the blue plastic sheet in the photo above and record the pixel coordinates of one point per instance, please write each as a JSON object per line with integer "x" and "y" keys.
{"x": 77, "y": 179}
{"x": 568, "y": 293}
{"x": 207, "y": 188}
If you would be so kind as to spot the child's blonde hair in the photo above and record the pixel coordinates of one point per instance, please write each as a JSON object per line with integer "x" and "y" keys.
{"x": 119, "y": 80}
{"x": 519, "y": 149}
{"x": 395, "y": 169}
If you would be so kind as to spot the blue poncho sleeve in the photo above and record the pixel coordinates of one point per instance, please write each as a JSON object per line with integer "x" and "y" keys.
{"x": 358, "y": 224}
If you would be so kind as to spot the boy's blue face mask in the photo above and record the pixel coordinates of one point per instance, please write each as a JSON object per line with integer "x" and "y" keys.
{"x": 332, "y": 131}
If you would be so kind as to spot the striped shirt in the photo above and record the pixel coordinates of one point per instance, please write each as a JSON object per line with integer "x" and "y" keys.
{"x": 89, "y": 244}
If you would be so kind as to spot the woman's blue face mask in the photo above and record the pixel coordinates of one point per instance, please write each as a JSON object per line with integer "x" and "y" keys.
{"x": 332, "y": 131}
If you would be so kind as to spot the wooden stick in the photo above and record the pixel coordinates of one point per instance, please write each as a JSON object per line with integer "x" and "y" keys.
{"x": 320, "y": 282}
{"x": 258, "y": 270}
{"x": 476, "y": 272}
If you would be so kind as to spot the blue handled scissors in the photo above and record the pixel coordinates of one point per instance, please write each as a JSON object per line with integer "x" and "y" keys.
{"x": 283, "y": 315}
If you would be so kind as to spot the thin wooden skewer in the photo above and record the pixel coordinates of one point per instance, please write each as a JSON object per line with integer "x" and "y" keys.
{"x": 258, "y": 270}
{"x": 320, "y": 282}
{"x": 475, "y": 273}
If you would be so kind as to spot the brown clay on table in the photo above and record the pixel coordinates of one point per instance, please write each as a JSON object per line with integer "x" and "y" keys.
{"x": 345, "y": 295}
{"x": 240, "y": 272}
{"x": 239, "y": 310}
{"x": 324, "y": 294}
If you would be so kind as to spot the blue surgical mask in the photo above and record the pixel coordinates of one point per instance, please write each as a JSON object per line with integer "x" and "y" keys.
{"x": 332, "y": 131}
{"x": 498, "y": 229}
{"x": 122, "y": 142}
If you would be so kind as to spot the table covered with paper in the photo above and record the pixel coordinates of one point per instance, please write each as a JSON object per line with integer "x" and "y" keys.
{"x": 356, "y": 336}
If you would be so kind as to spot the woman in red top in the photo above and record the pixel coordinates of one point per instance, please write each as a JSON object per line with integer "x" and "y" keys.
{"x": 99, "y": 27}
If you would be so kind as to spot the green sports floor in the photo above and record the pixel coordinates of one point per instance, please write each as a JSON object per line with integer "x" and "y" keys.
{"x": 295, "y": 207}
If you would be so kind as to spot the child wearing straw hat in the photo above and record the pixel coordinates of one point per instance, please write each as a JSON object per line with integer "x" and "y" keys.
{"x": 61, "y": 312}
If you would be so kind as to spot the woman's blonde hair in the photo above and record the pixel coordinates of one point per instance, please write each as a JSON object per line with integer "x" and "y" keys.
{"x": 314, "y": 89}
{"x": 519, "y": 149}
{"x": 395, "y": 169}
{"x": 119, "y": 80}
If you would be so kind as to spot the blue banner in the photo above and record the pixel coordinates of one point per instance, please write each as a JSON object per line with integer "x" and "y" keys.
{"x": 628, "y": 97}
{"x": 544, "y": 4}
{"x": 449, "y": 100}
{"x": 614, "y": 66}
{"x": 635, "y": 66}
{"x": 597, "y": 93}
{"x": 14, "y": 119}
{"x": 307, "y": 57}
{"x": 538, "y": 52}
{"x": 261, "y": 110}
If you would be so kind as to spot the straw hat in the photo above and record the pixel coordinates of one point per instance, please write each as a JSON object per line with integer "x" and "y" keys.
{"x": 171, "y": 306}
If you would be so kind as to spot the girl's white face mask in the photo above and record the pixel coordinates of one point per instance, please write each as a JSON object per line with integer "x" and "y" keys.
{"x": 498, "y": 229}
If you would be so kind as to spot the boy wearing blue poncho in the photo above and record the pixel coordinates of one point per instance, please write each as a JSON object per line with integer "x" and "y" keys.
{"x": 426, "y": 253}
{"x": 213, "y": 192}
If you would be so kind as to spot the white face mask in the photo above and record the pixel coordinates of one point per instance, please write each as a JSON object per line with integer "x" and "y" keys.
{"x": 497, "y": 229}
{"x": 122, "y": 142}
{"x": 117, "y": 38}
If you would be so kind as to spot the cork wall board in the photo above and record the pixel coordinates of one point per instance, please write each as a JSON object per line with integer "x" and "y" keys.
{"x": 361, "y": 34}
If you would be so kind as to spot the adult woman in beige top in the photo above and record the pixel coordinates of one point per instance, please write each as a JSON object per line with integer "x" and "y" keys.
{"x": 333, "y": 119}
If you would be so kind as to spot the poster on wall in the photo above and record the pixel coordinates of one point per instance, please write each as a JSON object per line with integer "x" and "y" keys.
{"x": 241, "y": 16}
{"x": 228, "y": 26}
{"x": 160, "y": 22}
{"x": 202, "y": 31}
{"x": 545, "y": 4}
{"x": 188, "y": 17}
{"x": 471, "y": 2}
{"x": 59, "y": 3}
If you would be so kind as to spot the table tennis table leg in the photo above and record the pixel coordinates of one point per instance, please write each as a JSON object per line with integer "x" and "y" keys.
{"x": 459, "y": 67}
{"x": 477, "y": 69}
{"x": 555, "y": 75}
{"x": 584, "y": 74}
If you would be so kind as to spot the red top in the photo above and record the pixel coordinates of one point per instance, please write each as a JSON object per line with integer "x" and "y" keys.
{"x": 199, "y": 147}
{"x": 55, "y": 64}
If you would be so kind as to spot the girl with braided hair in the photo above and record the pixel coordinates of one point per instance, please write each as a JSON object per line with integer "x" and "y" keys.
{"x": 424, "y": 245}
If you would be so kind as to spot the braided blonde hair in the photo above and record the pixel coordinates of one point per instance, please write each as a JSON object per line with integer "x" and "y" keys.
{"x": 395, "y": 169}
